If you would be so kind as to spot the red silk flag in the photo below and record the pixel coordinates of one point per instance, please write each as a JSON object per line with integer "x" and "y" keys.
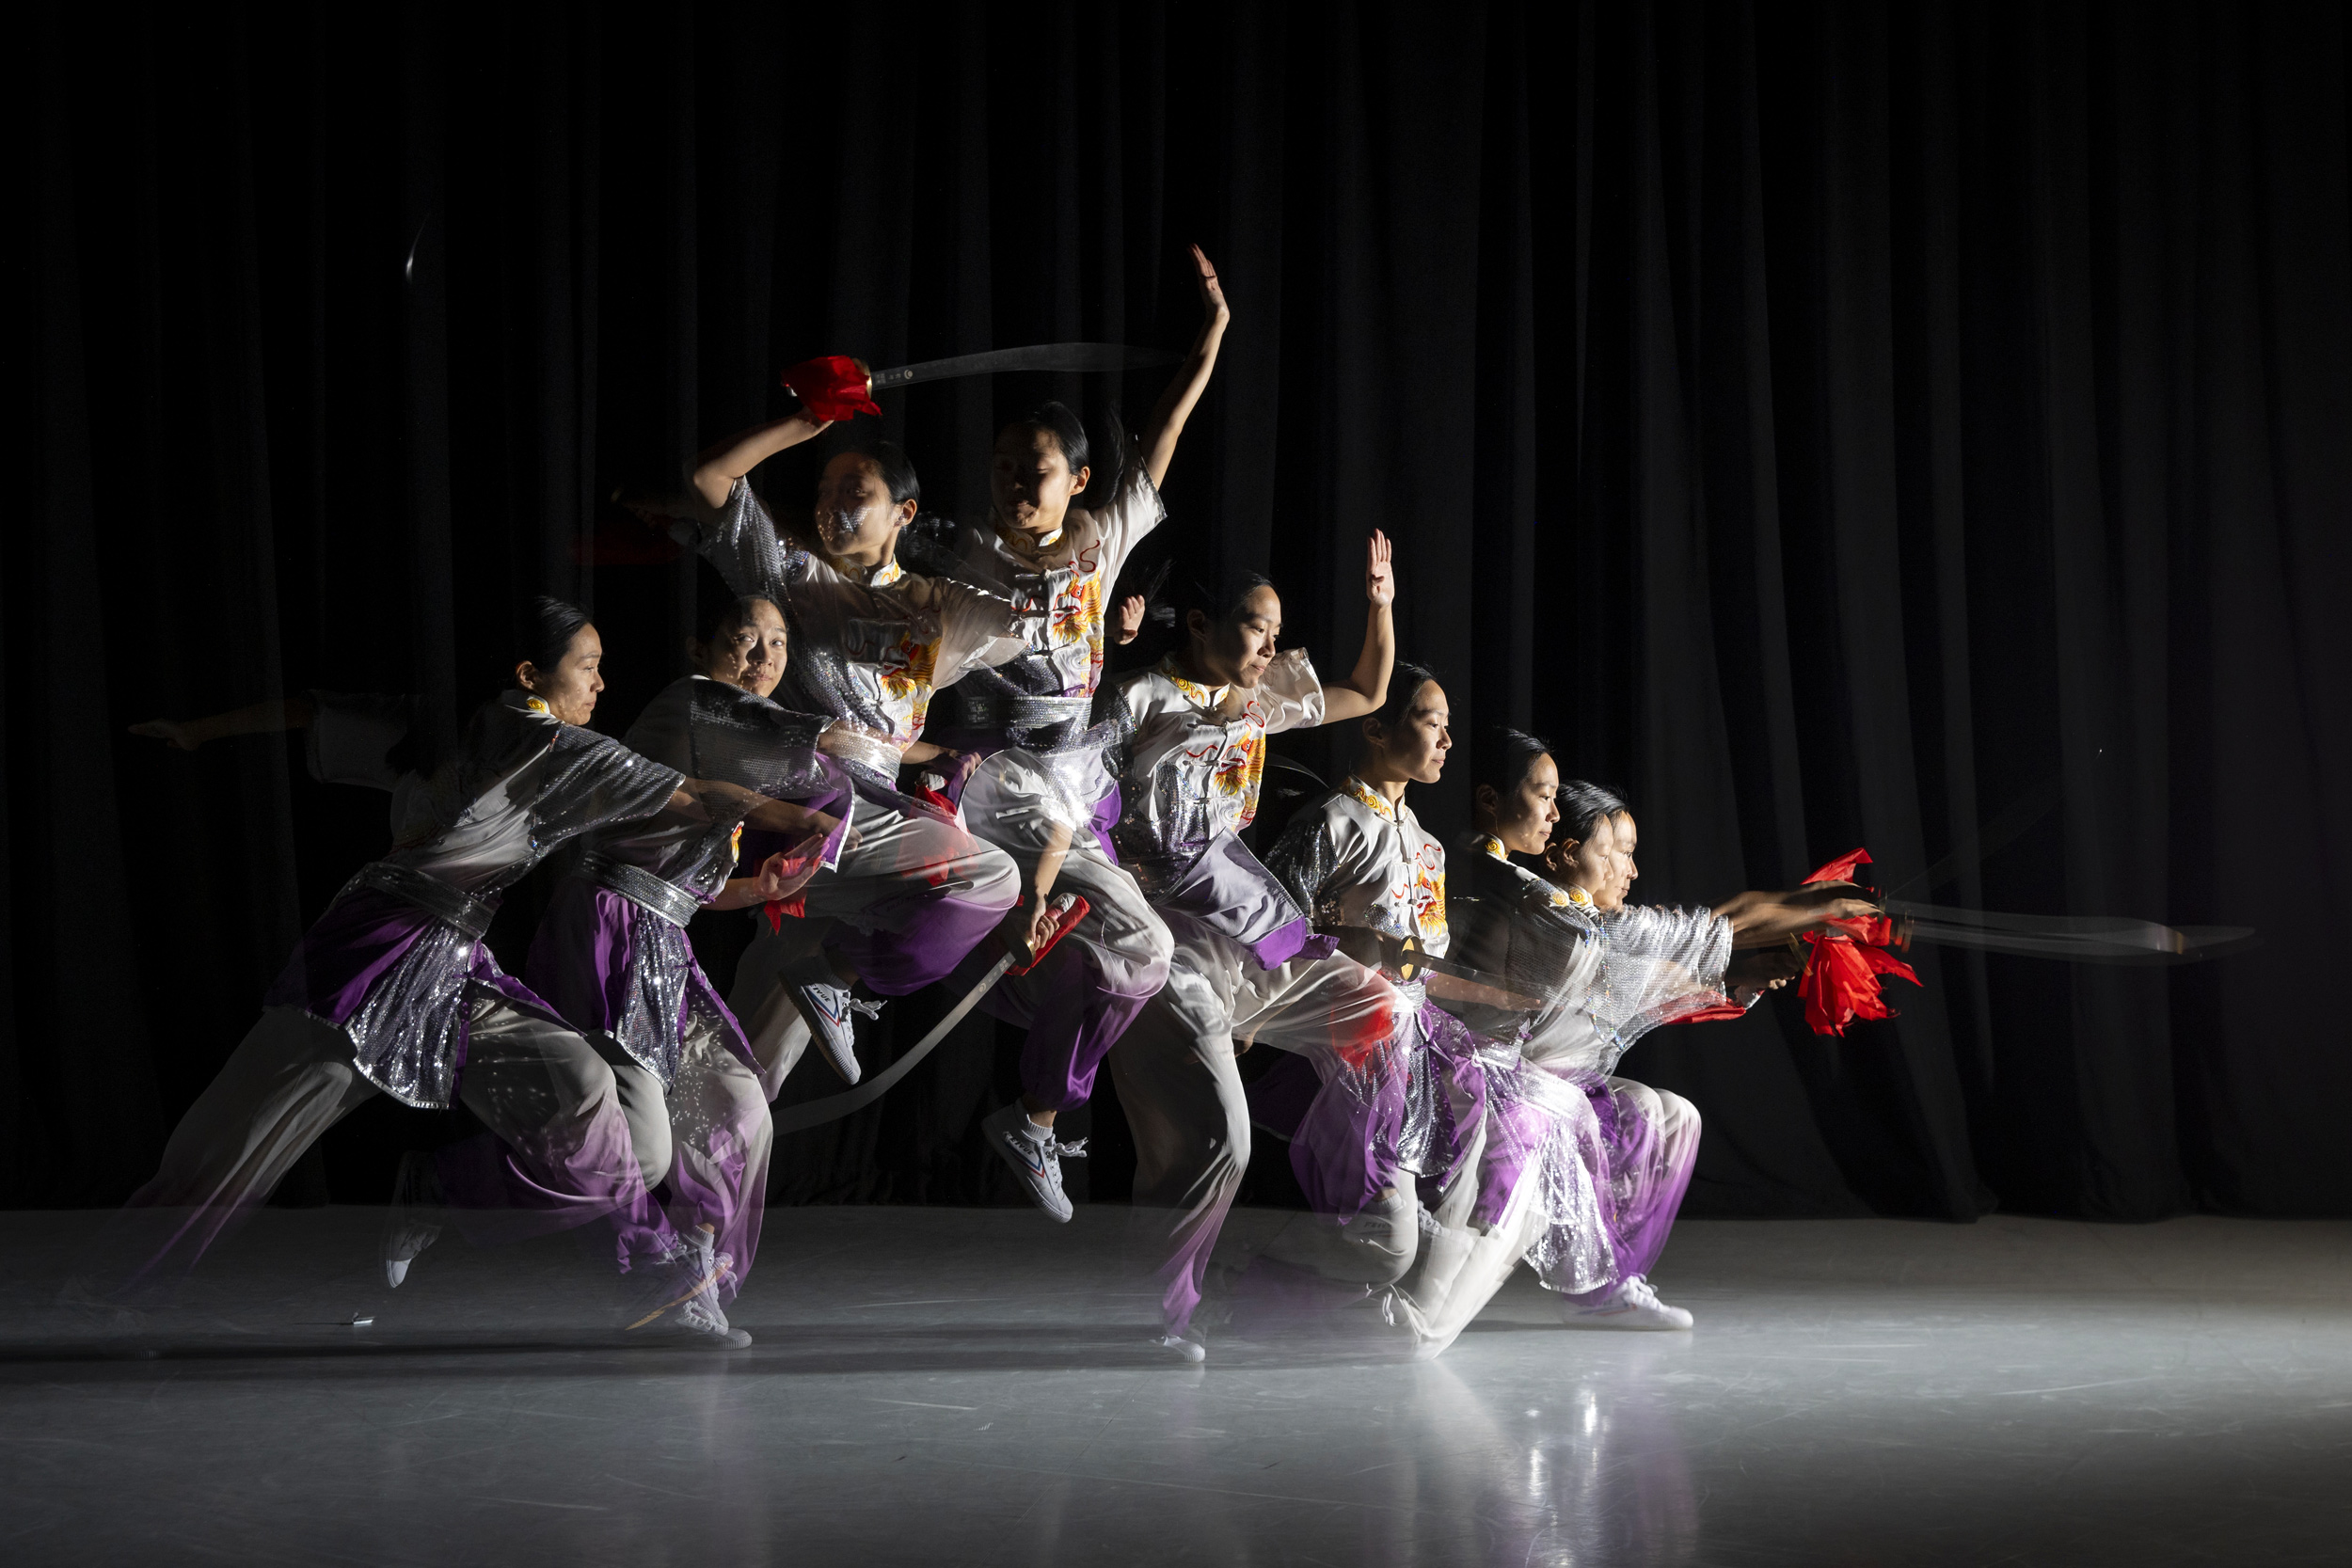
{"x": 1840, "y": 982}
{"x": 831, "y": 388}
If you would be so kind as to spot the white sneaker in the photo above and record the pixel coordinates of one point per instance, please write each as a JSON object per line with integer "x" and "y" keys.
{"x": 417, "y": 1216}
{"x": 709, "y": 1261}
{"x": 1632, "y": 1306}
{"x": 1034, "y": 1157}
{"x": 829, "y": 1011}
{"x": 677, "y": 1303}
{"x": 1182, "y": 1347}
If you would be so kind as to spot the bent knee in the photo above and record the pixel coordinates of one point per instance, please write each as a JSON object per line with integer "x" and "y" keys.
{"x": 1676, "y": 1116}
{"x": 995, "y": 878}
{"x": 654, "y": 1154}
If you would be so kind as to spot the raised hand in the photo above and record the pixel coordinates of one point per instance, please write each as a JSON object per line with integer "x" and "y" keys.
{"x": 1380, "y": 576}
{"x": 1130, "y": 619}
{"x": 1213, "y": 304}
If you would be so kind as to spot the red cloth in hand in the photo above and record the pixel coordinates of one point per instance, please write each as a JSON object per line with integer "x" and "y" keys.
{"x": 1840, "y": 869}
{"x": 1841, "y": 975}
{"x": 831, "y": 388}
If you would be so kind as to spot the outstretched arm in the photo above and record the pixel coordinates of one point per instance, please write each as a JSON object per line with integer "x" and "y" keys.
{"x": 717, "y": 469}
{"x": 271, "y": 717}
{"x": 1192, "y": 377}
{"x": 713, "y": 801}
{"x": 1367, "y": 686}
{"x": 1764, "y": 919}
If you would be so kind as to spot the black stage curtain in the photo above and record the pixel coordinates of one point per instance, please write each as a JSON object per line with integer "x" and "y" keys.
{"x": 1837, "y": 425}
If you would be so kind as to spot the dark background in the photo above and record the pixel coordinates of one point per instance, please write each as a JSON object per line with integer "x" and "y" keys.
{"x": 1833, "y": 424}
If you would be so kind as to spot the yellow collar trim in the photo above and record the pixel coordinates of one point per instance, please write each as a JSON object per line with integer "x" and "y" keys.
{"x": 1193, "y": 692}
{"x": 1582, "y": 899}
{"x": 887, "y": 574}
{"x": 1487, "y": 843}
{"x": 533, "y": 704}
{"x": 1374, "y": 798}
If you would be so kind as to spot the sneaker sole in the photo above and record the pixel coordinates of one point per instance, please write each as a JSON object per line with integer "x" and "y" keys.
{"x": 1020, "y": 1169}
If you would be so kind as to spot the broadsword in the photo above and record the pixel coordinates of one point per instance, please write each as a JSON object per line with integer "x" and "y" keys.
{"x": 1068, "y": 909}
{"x": 1037, "y": 356}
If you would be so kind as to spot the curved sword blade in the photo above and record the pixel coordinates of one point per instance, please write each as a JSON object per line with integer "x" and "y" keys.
{"x": 2071, "y": 939}
{"x": 1037, "y": 356}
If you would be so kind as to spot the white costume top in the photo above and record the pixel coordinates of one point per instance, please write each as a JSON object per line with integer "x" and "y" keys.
{"x": 1356, "y": 860}
{"x": 870, "y": 649}
{"x": 1606, "y": 977}
{"x": 1059, "y": 584}
{"x": 1195, "y": 757}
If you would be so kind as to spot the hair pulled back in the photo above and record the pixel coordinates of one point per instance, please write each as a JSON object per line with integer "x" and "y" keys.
{"x": 1406, "y": 679}
{"x": 891, "y": 461}
{"x": 1585, "y": 805}
{"x": 1500, "y": 756}
{"x": 549, "y": 625}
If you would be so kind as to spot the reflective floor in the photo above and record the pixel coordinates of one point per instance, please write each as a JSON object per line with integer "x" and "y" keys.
{"x": 953, "y": 1387}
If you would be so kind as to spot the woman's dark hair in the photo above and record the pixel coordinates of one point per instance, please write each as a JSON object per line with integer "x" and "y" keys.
{"x": 1070, "y": 434}
{"x": 1404, "y": 680}
{"x": 549, "y": 625}
{"x": 891, "y": 461}
{"x": 720, "y": 612}
{"x": 1222, "y": 602}
{"x": 1582, "y": 805}
{"x": 1501, "y": 756}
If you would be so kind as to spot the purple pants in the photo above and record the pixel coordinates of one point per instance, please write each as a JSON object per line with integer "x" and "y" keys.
{"x": 558, "y": 1154}
{"x": 1652, "y": 1143}
{"x": 1411, "y": 1103}
{"x": 706, "y": 1132}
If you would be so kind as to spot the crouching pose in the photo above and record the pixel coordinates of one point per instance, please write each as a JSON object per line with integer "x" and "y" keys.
{"x": 1585, "y": 1170}
{"x": 1247, "y": 966}
{"x": 612, "y": 953}
{"x": 1370, "y": 1150}
{"x": 394, "y": 991}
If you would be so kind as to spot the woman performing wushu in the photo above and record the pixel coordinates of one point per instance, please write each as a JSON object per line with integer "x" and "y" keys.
{"x": 912, "y": 892}
{"x": 612, "y": 953}
{"x": 1246, "y": 966}
{"x": 394, "y": 991}
{"x": 1042, "y": 785}
{"x": 1585, "y": 1170}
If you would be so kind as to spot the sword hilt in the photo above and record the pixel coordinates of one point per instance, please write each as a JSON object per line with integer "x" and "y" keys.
{"x": 1068, "y": 910}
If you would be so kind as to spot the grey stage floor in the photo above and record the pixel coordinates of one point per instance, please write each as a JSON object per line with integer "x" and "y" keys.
{"x": 953, "y": 1387}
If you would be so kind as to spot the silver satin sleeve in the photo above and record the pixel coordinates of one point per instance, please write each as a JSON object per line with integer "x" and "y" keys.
{"x": 1304, "y": 860}
{"x": 741, "y": 739}
{"x": 1657, "y": 966}
{"x": 405, "y": 1037}
{"x": 1607, "y": 980}
{"x": 742, "y": 544}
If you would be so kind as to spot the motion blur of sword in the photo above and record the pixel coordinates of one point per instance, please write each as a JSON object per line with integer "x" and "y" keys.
{"x": 1095, "y": 358}
{"x": 2069, "y": 939}
{"x": 1068, "y": 909}
{"x": 830, "y": 388}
